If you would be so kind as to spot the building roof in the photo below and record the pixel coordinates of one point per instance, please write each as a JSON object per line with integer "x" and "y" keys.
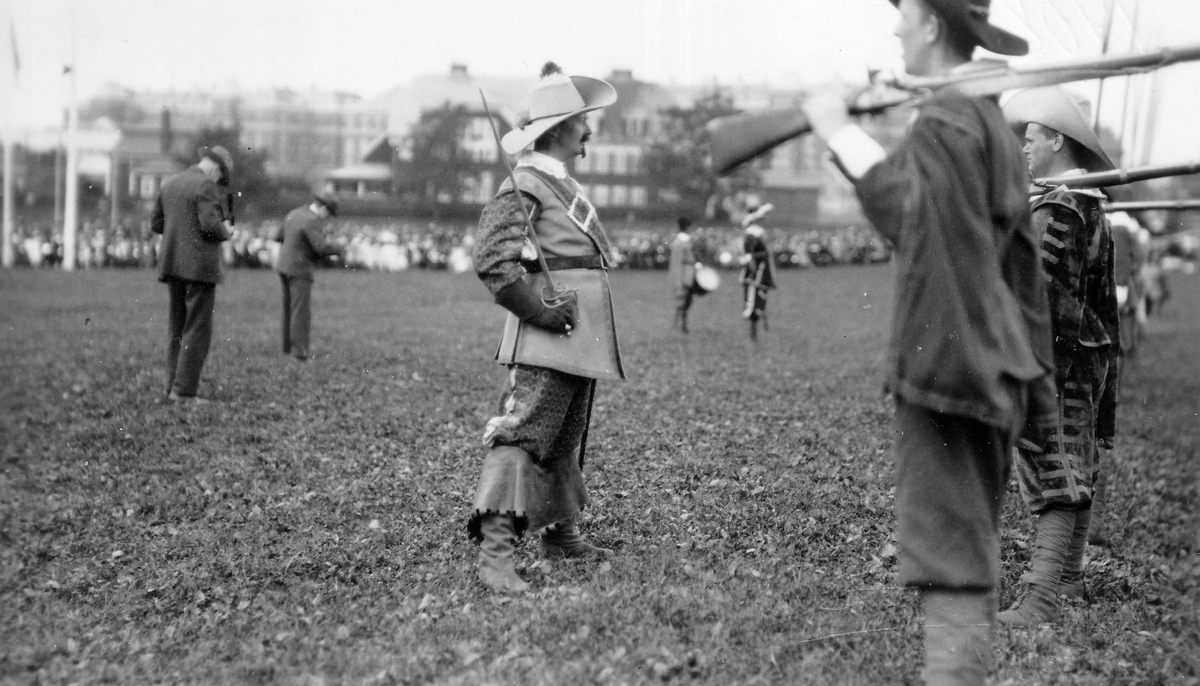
{"x": 457, "y": 87}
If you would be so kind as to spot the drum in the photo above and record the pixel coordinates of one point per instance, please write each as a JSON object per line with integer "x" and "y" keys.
{"x": 707, "y": 280}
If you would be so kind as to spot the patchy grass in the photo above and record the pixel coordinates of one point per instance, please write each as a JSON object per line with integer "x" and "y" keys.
{"x": 308, "y": 527}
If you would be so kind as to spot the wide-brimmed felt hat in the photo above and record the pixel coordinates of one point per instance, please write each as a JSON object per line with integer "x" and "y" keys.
{"x": 221, "y": 156}
{"x": 556, "y": 97}
{"x": 1053, "y": 106}
{"x": 972, "y": 16}
{"x": 329, "y": 199}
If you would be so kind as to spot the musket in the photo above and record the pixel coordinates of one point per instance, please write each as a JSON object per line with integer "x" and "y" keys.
{"x": 1116, "y": 177}
{"x": 738, "y": 138}
{"x": 558, "y": 294}
{"x": 1139, "y": 205}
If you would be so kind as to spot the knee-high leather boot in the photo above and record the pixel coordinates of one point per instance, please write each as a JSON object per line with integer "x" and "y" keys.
{"x": 958, "y": 637}
{"x": 562, "y": 539}
{"x": 496, "y": 568}
{"x": 1040, "y": 602}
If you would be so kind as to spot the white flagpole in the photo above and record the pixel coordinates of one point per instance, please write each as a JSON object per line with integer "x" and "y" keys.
{"x": 71, "y": 211}
{"x": 8, "y": 257}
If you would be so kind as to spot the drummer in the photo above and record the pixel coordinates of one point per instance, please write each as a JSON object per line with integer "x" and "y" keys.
{"x": 681, "y": 273}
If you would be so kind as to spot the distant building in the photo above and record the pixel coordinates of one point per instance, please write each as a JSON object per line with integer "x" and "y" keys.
{"x": 613, "y": 173}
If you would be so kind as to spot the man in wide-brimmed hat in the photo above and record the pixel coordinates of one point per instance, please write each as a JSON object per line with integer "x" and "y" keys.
{"x": 303, "y": 245}
{"x": 190, "y": 213}
{"x": 559, "y": 337}
{"x": 1058, "y": 472}
{"x": 758, "y": 268}
{"x": 970, "y": 341}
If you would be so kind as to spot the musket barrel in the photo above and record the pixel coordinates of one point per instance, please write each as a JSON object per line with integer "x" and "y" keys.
{"x": 1140, "y": 205}
{"x": 1119, "y": 177}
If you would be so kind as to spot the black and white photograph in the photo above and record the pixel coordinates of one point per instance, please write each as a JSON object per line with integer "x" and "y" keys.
{"x": 631, "y": 342}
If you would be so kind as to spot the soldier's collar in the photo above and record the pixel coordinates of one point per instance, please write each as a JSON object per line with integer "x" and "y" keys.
{"x": 543, "y": 163}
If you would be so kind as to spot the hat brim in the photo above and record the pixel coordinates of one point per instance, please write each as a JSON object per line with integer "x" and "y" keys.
{"x": 596, "y": 94}
{"x": 1051, "y": 106}
{"x": 987, "y": 36}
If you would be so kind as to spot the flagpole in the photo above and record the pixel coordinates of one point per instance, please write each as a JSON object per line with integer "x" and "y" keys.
{"x": 71, "y": 211}
{"x": 7, "y": 258}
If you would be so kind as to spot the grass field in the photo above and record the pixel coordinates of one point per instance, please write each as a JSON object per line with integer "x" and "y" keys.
{"x": 308, "y": 527}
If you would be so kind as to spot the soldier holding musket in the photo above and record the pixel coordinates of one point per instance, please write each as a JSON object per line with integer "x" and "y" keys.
{"x": 541, "y": 251}
{"x": 1059, "y": 471}
{"x": 970, "y": 349}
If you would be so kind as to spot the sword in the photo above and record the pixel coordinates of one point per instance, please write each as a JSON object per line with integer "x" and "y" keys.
{"x": 558, "y": 295}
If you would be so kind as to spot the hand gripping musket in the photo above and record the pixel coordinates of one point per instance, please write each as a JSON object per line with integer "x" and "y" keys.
{"x": 558, "y": 295}
{"x": 1116, "y": 177}
{"x": 739, "y": 138}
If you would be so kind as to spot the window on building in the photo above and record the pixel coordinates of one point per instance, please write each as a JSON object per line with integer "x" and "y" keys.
{"x": 633, "y": 162}
{"x": 148, "y": 186}
{"x": 601, "y": 163}
{"x": 638, "y": 196}
{"x": 600, "y": 195}
{"x": 620, "y": 195}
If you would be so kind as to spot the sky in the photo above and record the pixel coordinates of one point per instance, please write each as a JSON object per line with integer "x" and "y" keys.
{"x": 369, "y": 46}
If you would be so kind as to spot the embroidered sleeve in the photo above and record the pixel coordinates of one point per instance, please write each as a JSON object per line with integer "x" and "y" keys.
{"x": 500, "y": 239}
{"x": 1064, "y": 253}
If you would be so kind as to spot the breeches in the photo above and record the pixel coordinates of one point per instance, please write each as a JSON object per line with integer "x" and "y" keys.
{"x": 534, "y": 470}
{"x": 297, "y": 314}
{"x": 189, "y": 333}
{"x": 951, "y": 473}
{"x": 1063, "y": 474}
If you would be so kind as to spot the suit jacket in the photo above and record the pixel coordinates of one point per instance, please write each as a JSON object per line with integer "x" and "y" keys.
{"x": 303, "y": 244}
{"x": 189, "y": 215}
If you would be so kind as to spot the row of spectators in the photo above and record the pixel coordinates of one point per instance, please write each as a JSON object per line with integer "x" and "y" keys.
{"x": 388, "y": 245}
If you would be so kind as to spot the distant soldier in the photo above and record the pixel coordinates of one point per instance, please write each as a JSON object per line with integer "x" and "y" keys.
{"x": 1058, "y": 472}
{"x": 758, "y": 269}
{"x": 681, "y": 272}
{"x": 970, "y": 342}
{"x": 532, "y": 476}
{"x": 304, "y": 244}
{"x": 190, "y": 214}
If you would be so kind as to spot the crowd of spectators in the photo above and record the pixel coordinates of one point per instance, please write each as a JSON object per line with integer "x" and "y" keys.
{"x": 391, "y": 245}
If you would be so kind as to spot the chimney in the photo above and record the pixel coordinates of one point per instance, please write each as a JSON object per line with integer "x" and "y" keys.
{"x": 164, "y": 131}
{"x": 622, "y": 75}
{"x": 458, "y": 71}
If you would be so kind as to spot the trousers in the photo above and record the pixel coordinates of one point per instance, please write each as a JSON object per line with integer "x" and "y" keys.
{"x": 189, "y": 333}
{"x": 297, "y": 314}
{"x": 951, "y": 474}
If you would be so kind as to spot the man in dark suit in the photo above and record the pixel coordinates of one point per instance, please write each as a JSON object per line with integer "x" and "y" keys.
{"x": 190, "y": 215}
{"x": 303, "y": 245}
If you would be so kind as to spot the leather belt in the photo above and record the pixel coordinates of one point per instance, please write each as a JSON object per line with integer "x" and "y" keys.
{"x": 559, "y": 263}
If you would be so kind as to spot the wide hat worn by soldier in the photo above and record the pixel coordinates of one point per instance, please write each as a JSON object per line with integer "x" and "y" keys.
{"x": 1053, "y": 107}
{"x": 556, "y": 98}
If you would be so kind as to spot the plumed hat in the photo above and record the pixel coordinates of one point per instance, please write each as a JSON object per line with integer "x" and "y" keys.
{"x": 972, "y": 16}
{"x": 1054, "y": 107}
{"x": 556, "y": 97}
{"x": 756, "y": 214}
